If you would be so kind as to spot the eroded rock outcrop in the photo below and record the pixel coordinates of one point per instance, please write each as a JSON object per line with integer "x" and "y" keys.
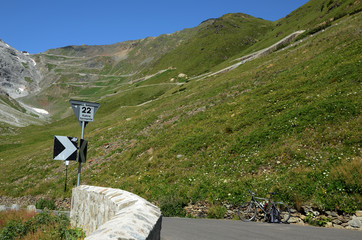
{"x": 18, "y": 74}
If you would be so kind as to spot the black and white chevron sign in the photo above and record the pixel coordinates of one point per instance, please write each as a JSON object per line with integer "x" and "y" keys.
{"x": 65, "y": 148}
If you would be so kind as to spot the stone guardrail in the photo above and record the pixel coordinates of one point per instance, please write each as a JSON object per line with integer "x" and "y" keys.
{"x": 108, "y": 213}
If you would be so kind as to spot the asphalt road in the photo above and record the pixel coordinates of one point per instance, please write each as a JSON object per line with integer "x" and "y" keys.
{"x": 199, "y": 229}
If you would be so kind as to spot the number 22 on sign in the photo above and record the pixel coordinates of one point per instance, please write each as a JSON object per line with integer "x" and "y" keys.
{"x": 86, "y": 113}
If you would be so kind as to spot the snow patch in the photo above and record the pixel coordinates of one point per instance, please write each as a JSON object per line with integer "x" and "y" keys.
{"x": 34, "y": 63}
{"x": 39, "y": 110}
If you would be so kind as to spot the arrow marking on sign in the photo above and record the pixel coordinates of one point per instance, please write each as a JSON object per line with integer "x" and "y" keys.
{"x": 69, "y": 148}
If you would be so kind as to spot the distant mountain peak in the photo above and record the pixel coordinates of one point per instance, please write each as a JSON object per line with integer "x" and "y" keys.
{"x": 18, "y": 74}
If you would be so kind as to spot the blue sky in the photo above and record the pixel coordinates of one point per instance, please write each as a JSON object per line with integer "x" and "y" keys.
{"x": 38, "y": 25}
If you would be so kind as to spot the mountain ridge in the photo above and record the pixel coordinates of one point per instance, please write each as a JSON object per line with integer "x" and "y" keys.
{"x": 81, "y": 70}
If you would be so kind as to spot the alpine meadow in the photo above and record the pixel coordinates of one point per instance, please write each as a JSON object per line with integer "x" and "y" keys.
{"x": 203, "y": 114}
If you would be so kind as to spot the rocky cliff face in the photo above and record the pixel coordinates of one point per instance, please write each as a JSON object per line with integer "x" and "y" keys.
{"x": 18, "y": 74}
{"x": 19, "y": 77}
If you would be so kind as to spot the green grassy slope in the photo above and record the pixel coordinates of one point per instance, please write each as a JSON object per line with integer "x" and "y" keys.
{"x": 310, "y": 16}
{"x": 6, "y": 100}
{"x": 288, "y": 122}
{"x": 223, "y": 45}
{"x": 215, "y": 43}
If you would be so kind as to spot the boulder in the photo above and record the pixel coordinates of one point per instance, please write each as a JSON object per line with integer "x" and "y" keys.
{"x": 329, "y": 224}
{"x": 15, "y": 207}
{"x": 31, "y": 208}
{"x": 332, "y": 214}
{"x": 294, "y": 220}
{"x": 182, "y": 75}
{"x": 337, "y": 221}
{"x": 338, "y": 226}
{"x": 355, "y": 222}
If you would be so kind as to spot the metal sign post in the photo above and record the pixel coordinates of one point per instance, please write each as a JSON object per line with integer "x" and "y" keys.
{"x": 84, "y": 111}
{"x": 79, "y": 162}
{"x": 66, "y": 175}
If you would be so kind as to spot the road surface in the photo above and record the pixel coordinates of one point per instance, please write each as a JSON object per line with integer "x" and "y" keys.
{"x": 199, "y": 229}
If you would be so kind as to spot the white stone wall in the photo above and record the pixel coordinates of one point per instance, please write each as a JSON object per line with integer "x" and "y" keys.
{"x": 108, "y": 213}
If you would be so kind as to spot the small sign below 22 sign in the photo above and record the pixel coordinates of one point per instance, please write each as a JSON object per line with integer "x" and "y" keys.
{"x": 86, "y": 113}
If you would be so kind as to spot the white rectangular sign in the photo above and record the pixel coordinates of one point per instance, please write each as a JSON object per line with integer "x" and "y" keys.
{"x": 86, "y": 113}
